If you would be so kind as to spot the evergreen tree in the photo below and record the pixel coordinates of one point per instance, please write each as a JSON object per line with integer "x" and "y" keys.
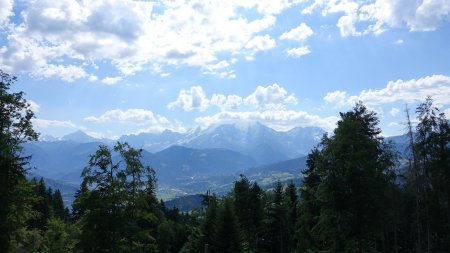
{"x": 247, "y": 200}
{"x": 355, "y": 169}
{"x": 59, "y": 211}
{"x": 433, "y": 163}
{"x": 276, "y": 235}
{"x": 309, "y": 209}
{"x": 15, "y": 129}
{"x": 229, "y": 237}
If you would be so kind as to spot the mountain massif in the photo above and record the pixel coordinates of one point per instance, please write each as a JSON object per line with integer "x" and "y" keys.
{"x": 192, "y": 162}
{"x": 186, "y": 163}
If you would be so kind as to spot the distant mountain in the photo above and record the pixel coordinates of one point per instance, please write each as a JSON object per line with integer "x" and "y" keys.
{"x": 59, "y": 159}
{"x": 262, "y": 143}
{"x": 401, "y": 144}
{"x": 257, "y": 140}
{"x": 48, "y": 138}
{"x": 82, "y": 137}
{"x": 175, "y": 166}
{"x": 153, "y": 142}
{"x": 209, "y": 159}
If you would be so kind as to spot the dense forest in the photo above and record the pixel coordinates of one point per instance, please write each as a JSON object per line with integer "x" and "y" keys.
{"x": 358, "y": 195}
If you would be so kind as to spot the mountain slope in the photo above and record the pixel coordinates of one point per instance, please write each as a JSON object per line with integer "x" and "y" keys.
{"x": 261, "y": 142}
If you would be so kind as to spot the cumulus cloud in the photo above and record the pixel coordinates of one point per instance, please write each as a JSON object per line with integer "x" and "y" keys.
{"x": 269, "y": 96}
{"x": 194, "y": 98}
{"x": 67, "y": 73}
{"x": 111, "y": 80}
{"x": 376, "y": 16}
{"x": 299, "y": 33}
{"x": 6, "y": 7}
{"x": 137, "y": 116}
{"x": 436, "y": 86}
{"x": 259, "y": 43}
{"x": 276, "y": 119}
{"x": 134, "y": 36}
{"x": 226, "y": 102}
{"x": 298, "y": 52}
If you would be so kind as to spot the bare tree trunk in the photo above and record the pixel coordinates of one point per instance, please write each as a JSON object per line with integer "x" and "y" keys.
{"x": 413, "y": 166}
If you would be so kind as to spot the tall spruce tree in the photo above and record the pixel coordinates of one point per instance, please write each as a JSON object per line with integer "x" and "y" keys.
{"x": 355, "y": 170}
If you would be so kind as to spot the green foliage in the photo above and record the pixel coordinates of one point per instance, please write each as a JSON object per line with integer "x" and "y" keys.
{"x": 345, "y": 186}
{"x": 432, "y": 178}
{"x": 114, "y": 202}
{"x": 58, "y": 237}
{"x": 15, "y": 129}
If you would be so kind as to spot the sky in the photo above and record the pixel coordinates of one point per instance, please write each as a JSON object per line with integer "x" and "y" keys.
{"x": 111, "y": 68}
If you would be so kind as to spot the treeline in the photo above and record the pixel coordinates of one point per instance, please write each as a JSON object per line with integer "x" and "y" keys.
{"x": 358, "y": 195}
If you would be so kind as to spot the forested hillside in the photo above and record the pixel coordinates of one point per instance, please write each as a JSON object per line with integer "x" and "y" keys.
{"x": 354, "y": 197}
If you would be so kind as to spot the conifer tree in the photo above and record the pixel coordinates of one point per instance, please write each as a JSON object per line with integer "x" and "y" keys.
{"x": 355, "y": 169}
{"x": 15, "y": 129}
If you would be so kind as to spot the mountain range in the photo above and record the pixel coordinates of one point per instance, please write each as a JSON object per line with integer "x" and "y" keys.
{"x": 191, "y": 162}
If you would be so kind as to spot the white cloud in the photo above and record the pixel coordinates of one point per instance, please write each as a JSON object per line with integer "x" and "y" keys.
{"x": 276, "y": 119}
{"x": 298, "y": 52}
{"x": 68, "y": 73}
{"x": 399, "y": 41}
{"x": 299, "y": 33}
{"x": 336, "y": 97}
{"x": 436, "y": 86}
{"x": 132, "y": 36}
{"x": 260, "y": 43}
{"x": 6, "y": 7}
{"x": 226, "y": 102}
{"x": 269, "y": 96}
{"x": 111, "y": 80}
{"x": 394, "y": 111}
{"x": 93, "y": 78}
{"x": 194, "y": 98}
{"x": 136, "y": 116}
{"x": 376, "y": 16}
{"x": 44, "y": 123}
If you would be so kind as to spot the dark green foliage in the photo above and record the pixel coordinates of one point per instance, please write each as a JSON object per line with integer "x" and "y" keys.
{"x": 15, "y": 129}
{"x": 433, "y": 178}
{"x": 114, "y": 201}
{"x": 249, "y": 209}
{"x": 228, "y": 237}
{"x": 345, "y": 186}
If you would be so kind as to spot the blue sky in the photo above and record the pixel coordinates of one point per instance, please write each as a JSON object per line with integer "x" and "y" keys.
{"x": 124, "y": 67}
